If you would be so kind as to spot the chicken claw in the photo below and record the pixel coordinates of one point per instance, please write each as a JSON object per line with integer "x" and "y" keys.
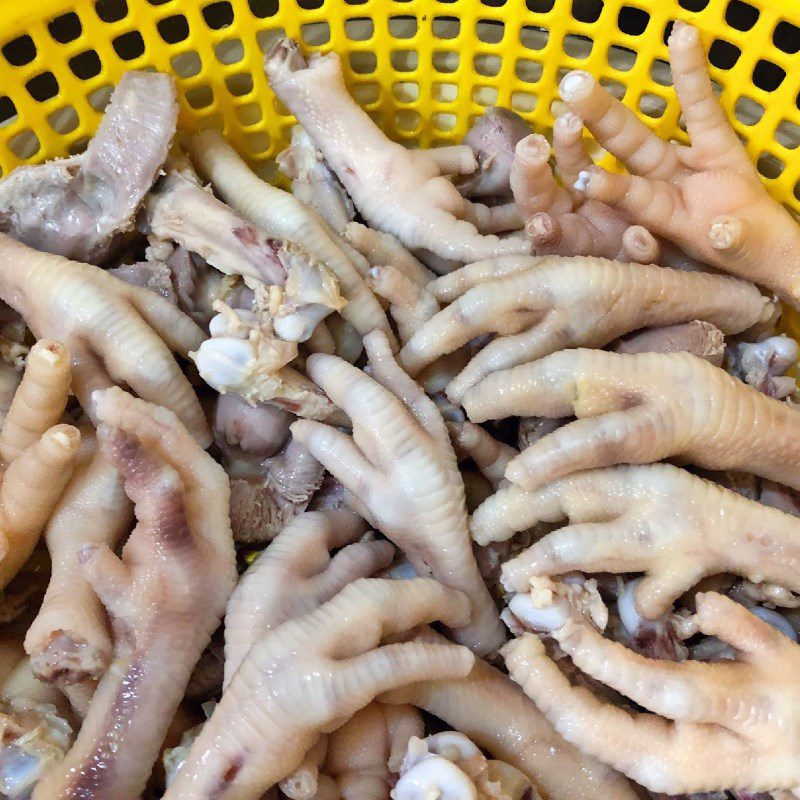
{"x": 37, "y": 454}
{"x": 114, "y": 332}
{"x": 638, "y": 409}
{"x": 398, "y": 191}
{"x": 574, "y": 302}
{"x": 558, "y": 221}
{"x": 295, "y": 575}
{"x": 707, "y": 198}
{"x": 735, "y": 724}
{"x": 402, "y": 474}
{"x": 164, "y": 597}
{"x": 309, "y": 675}
{"x": 657, "y": 519}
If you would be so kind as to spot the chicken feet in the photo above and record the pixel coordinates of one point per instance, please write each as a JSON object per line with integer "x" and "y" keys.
{"x": 735, "y": 724}
{"x": 164, "y": 597}
{"x": 574, "y": 302}
{"x": 398, "y": 191}
{"x": 309, "y": 675}
{"x": 402, "y": 474}
{"x": 707, "y": 198}
{"x": 639, "y": 409}
{"x": 657, "y": 519}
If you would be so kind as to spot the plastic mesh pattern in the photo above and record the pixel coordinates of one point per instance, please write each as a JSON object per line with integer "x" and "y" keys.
{"x": 423, "y": 68}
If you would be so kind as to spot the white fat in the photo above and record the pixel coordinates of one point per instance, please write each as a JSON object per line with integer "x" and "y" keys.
{"x": 435, "y": 778}
{"x": 299, "y": 325}
{"x": 777, "y": 621}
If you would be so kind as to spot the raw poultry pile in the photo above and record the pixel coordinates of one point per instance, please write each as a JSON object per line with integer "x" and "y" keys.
{"x": 451, "y": 473}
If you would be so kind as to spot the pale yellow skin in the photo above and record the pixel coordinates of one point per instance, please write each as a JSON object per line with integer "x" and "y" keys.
{"x": 69, "y": 642}
{"x": 657, "y": 519}
{"x": 713, "y": 726}
{"x": 281, "y": 215}
{"x": 699, "y": 338}
{"x": 164, "y": 596}
{"x": 296, "y": 574}
{"x": 574, "y": 302}
{"x": 401, "y": 474}
{"x": 707, "y": 198}
{"x": 638, "y": 409}
{"x": 308, "y": 675}
{"x": 560, "y": 221}
{"x": 114, "y": 332}
{"x": 491, "y": 457}
{"x": 495, "y": 714}
{"x": 38, "y": 454}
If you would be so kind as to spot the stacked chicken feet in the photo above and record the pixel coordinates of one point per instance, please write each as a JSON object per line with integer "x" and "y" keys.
{"x": 448, "y": 473}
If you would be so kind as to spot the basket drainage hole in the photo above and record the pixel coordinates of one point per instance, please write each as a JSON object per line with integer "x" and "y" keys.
{"x": 42, "y": 87}
{"x": 66, "y": 28}
{"x": 407, "y": 121}
{"x": 128, "y": 46}
{"x": 528, "y": 71}
{"x": 787, "y": 37}
{"x": 173, "y": 29}
{"x": 239, "y": 84}
{"x": 444, "y": 93}
{"x": 199, "y": 96}
{"x": 633, "y": 21}
{"x": 229, "y": 51}
{"x": 218, "y": 15}
{"x": 524, "y": 102}
{"x": 787, "y": 134}
{"x": 20, "y": 51}
{"x": 444, "y": 122}
{"x": 187, "y": 65}
{"x": 25, "y": 144}
{"x": 486, "y": 64}
{"x": 768, "y": 76}
{"x": 741, "y": 16}
{"x": 722, "y": 54}
{"x": 111, "y": 10}
{"x": 63, "y": 120}
{"x": 315, "y": 34}
{"x": 406, "y": 91}
{"x": 359, "y": 29}
{"x": 366, "y": 94}
{"x": 748, "y": 111}
{"x": 652, "y": 105}
{"x": 8, "y": 111}
{"x": 249, "y": 114}
{"x": 770, "y": 166}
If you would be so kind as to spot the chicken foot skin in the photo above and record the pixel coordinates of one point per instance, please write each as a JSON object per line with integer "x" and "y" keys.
{"x": 560, "y": 221}
{"x": 295, "y": 575}
{"x": 729, "y": 724}
{"x": 412, "y": 199}
{"x": 38, "y": 454}
{"x": 657, "y": 519}
{"x": 164, "y": 597}
{"x": 401, "y": 474}
{"x": 573, "y": 302}
{"x": 514, "y": 731}
{"x": 707, "y": 198}
{"x": 639, "y": 409}
{"x": 69, "y": 641}
{"x": 273, "y": 712}
{"x": 114, "y": 332}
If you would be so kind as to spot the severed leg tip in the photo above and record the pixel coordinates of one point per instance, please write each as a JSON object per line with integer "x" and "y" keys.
{"x": 49, "y": 352}
{"x": 576, "y": 86}
{"x": 65, "y": 439}
{"x": 726, "y": 233}
{"x": 541, "y": 228}
{"x": 683, "y": 35}
{"x": 568, "y": 125}
{"x": 533, "y": 149}
{"x": 639, "y": 245}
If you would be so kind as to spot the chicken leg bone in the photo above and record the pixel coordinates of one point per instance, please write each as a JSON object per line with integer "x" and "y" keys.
{"x": 728, "y": 724}
{"x": 114, "y": 332}
{"x": 657, "y": 519}
{"x": 639, "y": 409}
{"x": 165, "y": 596}
{"x": 707, "y": 198}
{"x": 296, "y": 574}
{"x": 402, "y": 474}
{"x": 573, "y": 302}
{"x": 398, "y": 191}
{"x": 309, "y": 675}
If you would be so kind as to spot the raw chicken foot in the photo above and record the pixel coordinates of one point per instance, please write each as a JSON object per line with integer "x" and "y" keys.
{"x": 309, "y": 675}
{"x": 639, "y": 409}
{"x": 657, "y": 519}
{"x": 402, "y": 474}
{"x": 570, "y": 302}
{"x": 114, "y": 331}
{"x": 295, "y": 575}
{"x": 494, "y": 713}
{"x": 561, "y": 222}
{"x": 707, "y": 198}
{"x": 735, "y": 723}
{"x": 37, "y": 454}
{"x": 164, "y": 597}
{"x": 398, "y": 191}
